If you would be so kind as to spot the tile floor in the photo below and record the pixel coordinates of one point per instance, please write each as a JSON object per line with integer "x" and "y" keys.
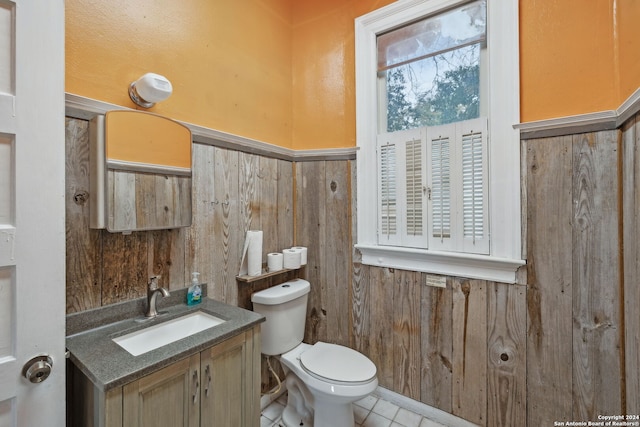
{"x": 371, "y": 411}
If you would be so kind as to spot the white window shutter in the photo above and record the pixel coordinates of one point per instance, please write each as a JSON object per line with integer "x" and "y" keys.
{"x": 387, "y": 194}
{"x": 457, "y": 183}
{"x": 474, "y": 215}
{"x": 415, "y": 216}
{"x": 401, "y": 189}
{"x": 441, "y": 180}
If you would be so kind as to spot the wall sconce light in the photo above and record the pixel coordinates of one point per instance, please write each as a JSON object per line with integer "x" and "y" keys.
{"x": 149, "y": 89}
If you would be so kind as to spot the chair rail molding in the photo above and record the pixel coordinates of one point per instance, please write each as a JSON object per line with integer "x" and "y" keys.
{"x": 580, "y": 123}
{"x": 85, "y": 108}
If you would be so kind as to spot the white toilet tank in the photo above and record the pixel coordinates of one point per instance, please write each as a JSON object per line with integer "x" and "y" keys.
{"x": 285, "y": 309}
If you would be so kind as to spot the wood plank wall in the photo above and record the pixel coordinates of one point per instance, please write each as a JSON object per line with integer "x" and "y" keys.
{"x": 461, "y": 348}
{"x": 232, "y": 193}
{"x": 575, "y": 341}
{"x": 562, "y": 345}
{"x": 322, "y": 224}
{"x": 630, "y": 291}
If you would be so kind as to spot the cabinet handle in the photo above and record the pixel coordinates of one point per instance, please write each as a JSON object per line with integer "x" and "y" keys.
{"x": 197, "y": 386}
{"x": 207, "y": 372}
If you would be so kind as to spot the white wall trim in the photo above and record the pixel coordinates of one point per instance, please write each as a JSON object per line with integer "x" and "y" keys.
{"x": 580, "y": 123}
{"x": 430, "y": 412}
{"x": 457, "y": 264}
{"x": 628, "y": 108}
{"x": 86, "y": 108}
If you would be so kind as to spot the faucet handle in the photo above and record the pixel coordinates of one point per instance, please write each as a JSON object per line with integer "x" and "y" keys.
{"x": 153, "y": 283}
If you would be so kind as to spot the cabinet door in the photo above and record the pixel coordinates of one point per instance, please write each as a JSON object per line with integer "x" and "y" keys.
{"x": 169, "y": 397}
{"x": 227, "y": 387}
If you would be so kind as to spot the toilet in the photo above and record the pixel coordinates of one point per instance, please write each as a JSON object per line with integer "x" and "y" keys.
{"x": 322, "y": 379}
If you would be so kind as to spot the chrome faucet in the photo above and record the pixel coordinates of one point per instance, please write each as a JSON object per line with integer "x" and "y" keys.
{"x": 152, "y": 294}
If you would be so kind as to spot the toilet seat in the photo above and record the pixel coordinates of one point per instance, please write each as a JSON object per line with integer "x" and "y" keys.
{"x": 336, "y": 363}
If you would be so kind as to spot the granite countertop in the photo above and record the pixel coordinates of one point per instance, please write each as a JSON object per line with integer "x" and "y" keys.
{"x": 107, "y": 365}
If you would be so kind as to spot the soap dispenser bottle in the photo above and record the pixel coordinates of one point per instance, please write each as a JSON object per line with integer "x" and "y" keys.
{"x": 194, "y": 294}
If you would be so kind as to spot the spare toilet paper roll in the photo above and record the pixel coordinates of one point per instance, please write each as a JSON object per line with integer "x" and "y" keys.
{"x": 291, "y": 258}
{"x": 275, "y": 261}
{"x": 252, "y": 254}
{"x": 303, "y": 254}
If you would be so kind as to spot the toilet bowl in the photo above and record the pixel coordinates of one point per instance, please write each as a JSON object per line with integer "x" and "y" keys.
{"x": 335, "y": 376}
{"x": 323, "y": 379}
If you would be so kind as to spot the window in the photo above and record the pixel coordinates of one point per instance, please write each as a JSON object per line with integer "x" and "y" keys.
{"x": 429, "y": 70}
{"x": 437, "y": 96}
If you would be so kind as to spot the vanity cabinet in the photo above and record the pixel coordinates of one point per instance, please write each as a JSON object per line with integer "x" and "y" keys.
{"x": 219, "y": 386}
{"x": 168, "y": 397}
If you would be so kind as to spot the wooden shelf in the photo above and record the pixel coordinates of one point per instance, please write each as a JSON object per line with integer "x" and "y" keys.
{"x": 264, "y": 275}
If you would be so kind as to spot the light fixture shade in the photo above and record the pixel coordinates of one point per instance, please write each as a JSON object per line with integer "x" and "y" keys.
{"x": 149, "y": 89}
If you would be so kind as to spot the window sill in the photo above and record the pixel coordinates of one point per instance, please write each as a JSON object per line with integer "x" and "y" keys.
{"x": 445, "y": 263}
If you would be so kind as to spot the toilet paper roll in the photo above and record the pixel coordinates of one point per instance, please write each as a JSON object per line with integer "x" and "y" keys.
{"x": 303, "y": 254}
{"x": 291, "y": 258}
{"x": 275, "y": 261}
{"x": 251, "y": 263}
{"x": 254, "y": 253}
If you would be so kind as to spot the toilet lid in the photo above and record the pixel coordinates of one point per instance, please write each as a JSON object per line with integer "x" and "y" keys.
{"x": 337, "y": 363}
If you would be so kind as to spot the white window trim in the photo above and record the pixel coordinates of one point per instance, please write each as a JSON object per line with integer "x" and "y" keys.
{"x": 504, "y": 145}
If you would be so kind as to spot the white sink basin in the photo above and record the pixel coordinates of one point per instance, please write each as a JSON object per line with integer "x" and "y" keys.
{"x": 153, "y": 337}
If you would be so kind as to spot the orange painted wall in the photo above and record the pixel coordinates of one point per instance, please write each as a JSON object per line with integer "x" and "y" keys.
{"x": 324, "y": 71}
{"x": 567, "y": 58}
{"x": 628, "y": 30}
{"x": 229, "y": 61}
{"x": 282, "y": 71}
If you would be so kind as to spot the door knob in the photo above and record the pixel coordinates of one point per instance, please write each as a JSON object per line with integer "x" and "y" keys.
{"x": 38, "y": 369}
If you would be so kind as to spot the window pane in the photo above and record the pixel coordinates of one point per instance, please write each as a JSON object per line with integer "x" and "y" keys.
{"x": 446, "y": 31}
{"x": 433, "y": 91}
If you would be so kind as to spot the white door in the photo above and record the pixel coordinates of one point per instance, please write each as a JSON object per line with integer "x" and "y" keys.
{"x": 32, "y": 231}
